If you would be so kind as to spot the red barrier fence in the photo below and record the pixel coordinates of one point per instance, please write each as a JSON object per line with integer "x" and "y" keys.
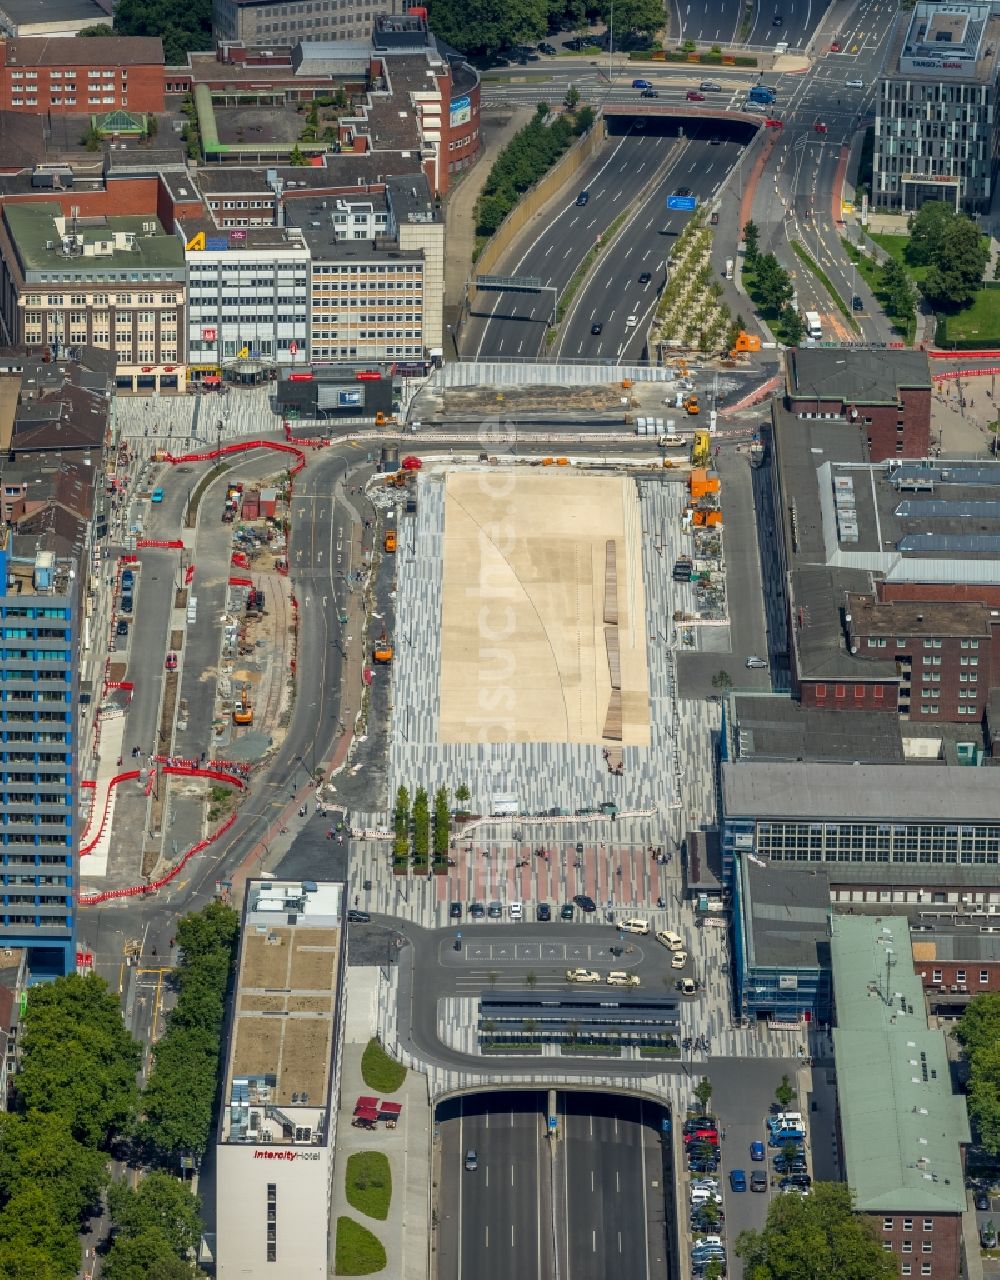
{"x": 953, "y": 374}
{"x": 171, "y": 544}
{"x": 241, "y": 582}
{"x": 120, "y": 777}
{"x": 964, "y": 355}
{"x": 189, "y": 575}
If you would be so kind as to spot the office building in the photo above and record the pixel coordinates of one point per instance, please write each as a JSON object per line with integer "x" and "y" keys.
{"x": 70, "y": 76}
{"x": 885, "y": 393}
{"x": 377, "y": 273}
{"x": 937, "y": 135}
{"x": 902, "y": 1129}
{"x": 111, "y": 282}
{"x": 284, "y": 22}
{"x": 38, "y": 654}
{"x": 248, "y": 312}
{"x": 781, "y": 942}
{"x": 277, "y": 1128}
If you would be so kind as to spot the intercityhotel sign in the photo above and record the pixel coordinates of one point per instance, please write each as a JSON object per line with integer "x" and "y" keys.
{"x": 286, "y": 1155}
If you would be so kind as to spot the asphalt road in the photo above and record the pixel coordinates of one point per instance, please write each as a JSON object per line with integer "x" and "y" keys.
{"x": 508, "y": 323}
{"x": 495, "y": 1220}
{"x": 612, "y": 1188}
{"x": 614, "y": 294}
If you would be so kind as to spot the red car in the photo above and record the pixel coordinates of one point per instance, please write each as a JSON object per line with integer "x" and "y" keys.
{"x": 171, "y": 661}
{"x": 703, "y": 1135}
{"x": 819, "y": 126}
{"x": 835, "y": 47}
{"x": 694, "y": 96}
{"x": 774, "y": 124}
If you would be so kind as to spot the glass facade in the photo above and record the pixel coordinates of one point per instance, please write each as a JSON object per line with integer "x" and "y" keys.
{"x": 37, "y": 776}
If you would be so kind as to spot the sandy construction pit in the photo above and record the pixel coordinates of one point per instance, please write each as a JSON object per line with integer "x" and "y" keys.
{"x": 543, "y": 615}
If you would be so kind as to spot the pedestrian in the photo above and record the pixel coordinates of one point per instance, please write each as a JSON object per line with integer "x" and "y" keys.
{"x": 357, "y": 899}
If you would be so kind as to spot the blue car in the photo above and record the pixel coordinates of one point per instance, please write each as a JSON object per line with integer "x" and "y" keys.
{"x": 641, "y": 84}
{"x": 737, "y": 1180}
{"x": 757, "y": 1151}
{"x": 157, "y": 495}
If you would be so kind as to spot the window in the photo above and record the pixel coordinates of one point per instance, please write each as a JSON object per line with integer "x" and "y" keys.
{"x": 907, "y": 1246}
{"x": 984, "y": 976}
{"x": 927, "y": 1246}
{"x": 960, "y": 975}
{"x": 907, "y": 1224}
{"x": 905, "y": 1269}
{"x": 886, "y": 1224}
{"x": 925, "y": 1268}
{"x": 928, "y": 1224}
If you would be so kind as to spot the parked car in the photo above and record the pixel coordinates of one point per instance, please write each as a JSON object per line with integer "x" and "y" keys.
{"x": 494, "y": 911}
{"x": 988, "y": 1236}
{"x": 566, "y": 911}
{"x": 543, "y": 912}
{"x": 516, "y": 910}
{"x": 619, "y": 978}
{"x": 758, "y": 1180}
{"x": 672, "y": 941}
{"x": 171, "y": 662}
{"x": 983, "y": 1200}
{"x": 686, "y": 986}
{"x": 550, "y": 49}
{"x": 585, "y": 902}
{"x": 737, "y": 1180}
{"x": 756, "y": 664}
{"x": 678, "y": 959}
{"x": 757, "y": 1151}
{"x": 358, "y": 917}
{"x": 582, "y": 975}
{"x": 122, "y": 628}
{"x": 455, "y": 910}
{"x": 477, "y": 911}
{"x": 157, "y": 495}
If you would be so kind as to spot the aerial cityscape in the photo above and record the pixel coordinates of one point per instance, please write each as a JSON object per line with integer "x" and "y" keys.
{"x": 501, "y": 570}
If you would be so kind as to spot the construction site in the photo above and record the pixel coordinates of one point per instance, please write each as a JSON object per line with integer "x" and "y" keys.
{"x": 539, "y": 606}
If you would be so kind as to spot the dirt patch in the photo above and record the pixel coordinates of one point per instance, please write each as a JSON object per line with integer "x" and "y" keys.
{"x": 473, "y": 401}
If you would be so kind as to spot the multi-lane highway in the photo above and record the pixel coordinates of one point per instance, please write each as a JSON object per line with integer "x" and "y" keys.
{"x": 662, "y": 156}
{"x": 615, "y": 298}
{"x": 722, "y": 22}
{"x": 585, "y": 1205}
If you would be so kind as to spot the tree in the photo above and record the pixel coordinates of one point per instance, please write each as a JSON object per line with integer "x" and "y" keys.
{"x": 401, "y": 824}
{"x": 462, "y": 793}
{"x": 421, "y": 824}
{"x": 159, "y": 1203}
{"x": 205, "y": 934}
{"x": 703, "y": 1092}
{"x": 736, "y": 327}
{"x": 486, "y": 27}
{"x": 38, "y": 1150}
{"x": 978, "y": 1032}
{"x": 531, "y": 979}
{"x": 751, "y": 240}
{"x": 900, "y": 296}
{"x": 183, "y": 24}
{"x": 773, "y": 283}
{"x": 929, "y": 228}
{"x": 79, "y": 1062}
{"x": 813, "y": 1237}
{"x": 793, "y": 324}
{"x": 296, "y": 158}
{"x": 957, "y": 265}
{"x": 784, "y": 1093}
{"x": 722, "y": 680}
{"x": 30, "y": 1221}
{"x": 147, "y": 1257}
{"x": 442, "y": 823}
{"x": 102, "y": 29}
{"x": 572, "y": 98}
{"x": 584, "y": 121}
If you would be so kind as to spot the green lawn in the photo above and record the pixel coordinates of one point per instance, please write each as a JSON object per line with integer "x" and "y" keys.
{"x": 369, "y": 1183}
{"x": 978, "y": 323}
{"x": 379, "y": 1071}
{"x": 359, "y": 1253}
{"x": 895, "y": 247}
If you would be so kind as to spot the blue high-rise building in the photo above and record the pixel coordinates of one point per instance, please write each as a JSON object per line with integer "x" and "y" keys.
{"x": 37, "y": 759}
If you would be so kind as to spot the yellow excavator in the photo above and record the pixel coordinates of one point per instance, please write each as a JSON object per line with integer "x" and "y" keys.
{"x": 243, "y": 710}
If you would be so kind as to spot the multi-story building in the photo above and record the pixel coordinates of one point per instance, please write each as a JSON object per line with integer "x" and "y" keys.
{"x": 886, "y": 393}
{"x": 901, "y": 1128}
{"x": 937, "y": 132}
{"x": 248, "y": 310}
{"x": 70, "y": 76}
{"x": 38, "y": 650}
{"x": 55, "y": 18}
{"x": 278, "y": 1119}
{"x": 285, "y": 22}
{"x": 377, "y": 273}
{"x": 943, "y": 652}
{"x": 115, "y": 283}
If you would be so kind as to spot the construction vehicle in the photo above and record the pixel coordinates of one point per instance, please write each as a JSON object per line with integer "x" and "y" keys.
{"x": 692, "y": 406}
{"x": 397, "y": 479}
{"x": 745, "y": 343}
{"x": 243, "y": 710}
{"x": 383, "y": 652}
{"x": 384, "y": 419}
{"x": 389, "y": 541}
{"x": 701, "y": 449}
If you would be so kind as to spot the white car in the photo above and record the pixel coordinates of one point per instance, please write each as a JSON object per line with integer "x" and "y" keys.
{"x": 678, "y": 959}
{"x": 854, "y": 84}
{"x": 618, "y": 978}
{"x": 700, "y": 1195}
{"x": 582, "y": 975}
{"x": 634, "y": 925}
{"x": 672, "y": 941}
{"x": 516, "y": 910}
{"x": 631, "y": 322}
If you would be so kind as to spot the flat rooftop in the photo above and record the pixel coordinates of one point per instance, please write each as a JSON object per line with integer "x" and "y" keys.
{"x": 788, "y": 911}
{"x": 776, "y": 727}
{"x": 100, "y": 243}
{"x": 283, "y": 1030}
{"x": 862, "y": 377}
{"x": 918, "y": 617}
{"x": 903, "y": 1127}
{"x": 888, "y": 793}
{"x": 951, "y": 41}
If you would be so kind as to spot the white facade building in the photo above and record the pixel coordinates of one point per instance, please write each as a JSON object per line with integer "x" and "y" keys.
{"x": 275, "y": 1145}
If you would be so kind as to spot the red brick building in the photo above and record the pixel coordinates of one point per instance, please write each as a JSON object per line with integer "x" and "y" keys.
{"x": 74, "y": 76}
{"x": 945, "y": 652}
{"x": 886, "y": 393}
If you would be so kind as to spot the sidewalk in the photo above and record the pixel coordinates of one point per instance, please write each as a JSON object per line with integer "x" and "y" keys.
{"x": 460, "y": 230}
{"x": 405, "y": 1232}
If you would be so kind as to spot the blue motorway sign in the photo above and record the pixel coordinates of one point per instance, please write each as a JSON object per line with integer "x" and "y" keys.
{"x": 687, "y": 203}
